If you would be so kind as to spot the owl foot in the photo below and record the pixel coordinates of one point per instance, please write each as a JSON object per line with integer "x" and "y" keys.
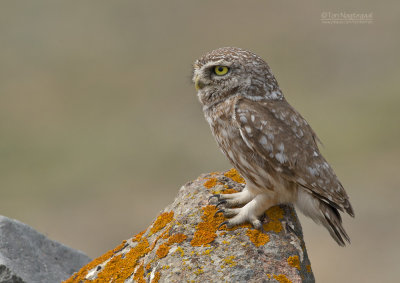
{"x": 232, "y": 200}
{"x": 252, "y": 212}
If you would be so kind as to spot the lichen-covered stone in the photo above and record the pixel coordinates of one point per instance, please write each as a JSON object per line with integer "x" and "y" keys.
{"x": 184, "y": 244}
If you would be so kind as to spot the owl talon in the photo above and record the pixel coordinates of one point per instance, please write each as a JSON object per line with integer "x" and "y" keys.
{"x": 221, "y": 202}
{"x": 219, "y": 211}
{"x": 214, "y": 196}
{"x": 224, "y": 223}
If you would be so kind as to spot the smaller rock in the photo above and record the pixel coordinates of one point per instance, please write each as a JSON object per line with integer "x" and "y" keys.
{"x": 28, "y": 256}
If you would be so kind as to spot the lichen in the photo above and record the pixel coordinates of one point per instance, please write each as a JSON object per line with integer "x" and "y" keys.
{"x": 137, "y": 237}
{"x": 230, "y": 261}
{"x": 282, "y": 278}
{"x": 139, "y": 274}
{"x": 206, "y": 230}
{"x": 211, "y": 182}
{"x": 234, "y": 175}
{"x": 199, "y": 271}
{"x": 121, "y": 267}
{"x": 162, "y": 220}
{"x": 257, "y": 237}
{"x": 273, "y": 225}
{"x": 176, "y": 238}
{"x": 81, "y": 274}
{"x": 156, "y": 278}
{"x": 294, "y": 261}
{"x": 162, "y": 250}
{"x": 229, "y": 191}
{"x": 180, "y": 250}
{"x": 274, "y": 214}
{"x": 308, "y": 267}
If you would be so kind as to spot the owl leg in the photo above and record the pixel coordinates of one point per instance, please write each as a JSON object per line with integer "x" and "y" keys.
{"x": 235, "y": 199}
{"x": 251, "y": 212}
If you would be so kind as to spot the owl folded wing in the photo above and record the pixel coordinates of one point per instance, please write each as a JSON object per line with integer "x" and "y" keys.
{"x": 278, "y": 133}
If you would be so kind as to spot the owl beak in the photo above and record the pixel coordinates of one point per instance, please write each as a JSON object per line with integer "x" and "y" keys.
{"x": 198, "y": 84}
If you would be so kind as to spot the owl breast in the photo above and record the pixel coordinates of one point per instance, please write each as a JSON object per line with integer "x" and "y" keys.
{"x": 255, "y": 170}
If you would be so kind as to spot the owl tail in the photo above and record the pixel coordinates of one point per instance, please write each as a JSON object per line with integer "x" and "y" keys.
{"x": 332, "y": 220}
{"x": 323, "y": 213}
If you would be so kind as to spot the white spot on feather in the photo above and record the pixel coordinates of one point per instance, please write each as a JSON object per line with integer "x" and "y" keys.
{"x": 263, "y": 140}
{"x": 243, "y": 119}
{"x": 248, "y": 129}
{"x": 281, "y": 157}
{"x": 312, "y": 171}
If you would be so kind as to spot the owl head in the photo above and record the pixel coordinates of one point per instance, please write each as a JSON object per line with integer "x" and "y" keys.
{"x": 229, "y": 71}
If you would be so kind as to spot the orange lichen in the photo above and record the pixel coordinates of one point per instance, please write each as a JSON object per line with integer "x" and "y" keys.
{"x": 176, "y": 238}
{"x": 294, "y": 261}
{"x": 257, "y": 238}
{"x": 139, "y": 274}
{"x": 211, "y": 182}
{"x": 137, "y": 237}
{"x": 162, "y": 251}
{"x": 273, "y": 225}
{"x": 163, "y": 235}
{"x": 308, "y": 267}
{"x": 206, "y": 230}
{"x": 282, "y": 278}
{"x": 81, "y": 274}
{"x": 234, "y": 175}
{"x": 274, "y": 214}
{"x": 121, "y": 267}
{"x": 162, "y": 220}
{"x": 156, "y": 278}
{"x": 229, "y": 191}
{"x": 148, "y": 266}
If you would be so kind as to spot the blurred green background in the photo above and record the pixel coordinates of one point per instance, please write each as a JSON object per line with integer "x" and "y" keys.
{"x": 100, "y": 125}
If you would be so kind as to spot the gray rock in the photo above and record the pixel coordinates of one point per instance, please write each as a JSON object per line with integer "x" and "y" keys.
{"x": 184, "y": 244}
{"x": 28, "y": 256}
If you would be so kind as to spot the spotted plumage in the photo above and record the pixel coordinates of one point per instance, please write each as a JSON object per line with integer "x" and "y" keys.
{"x": 267, "y": 141}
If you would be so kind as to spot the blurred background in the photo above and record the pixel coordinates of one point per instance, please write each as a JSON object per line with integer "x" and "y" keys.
{"x": 100, "y": 125}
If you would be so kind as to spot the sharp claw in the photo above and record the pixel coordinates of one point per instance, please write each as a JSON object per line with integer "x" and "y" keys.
{"x": 221, "y": 202}
{"x": 214, "y": 196}
{"x": 288, "y": 228}
{"x": 219, "y": 211}
{"x": 222, "y": 224}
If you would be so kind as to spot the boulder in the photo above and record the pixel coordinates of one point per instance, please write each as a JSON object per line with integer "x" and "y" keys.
{"x": 185, "y": 244}
{"x": 28, "y": 256}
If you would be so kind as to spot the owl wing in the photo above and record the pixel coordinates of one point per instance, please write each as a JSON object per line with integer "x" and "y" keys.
{"x": 279, "y": 134}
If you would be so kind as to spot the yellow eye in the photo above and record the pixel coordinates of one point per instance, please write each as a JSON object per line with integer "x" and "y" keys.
{"x": 221, "y": 70}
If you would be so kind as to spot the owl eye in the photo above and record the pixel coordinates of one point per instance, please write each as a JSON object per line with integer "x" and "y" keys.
{"x": 221, "y": 70}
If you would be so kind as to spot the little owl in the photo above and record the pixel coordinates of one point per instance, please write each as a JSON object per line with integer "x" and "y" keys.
{"x": 267, "y": 141}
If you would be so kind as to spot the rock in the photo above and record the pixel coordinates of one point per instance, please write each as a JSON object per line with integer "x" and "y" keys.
{"x": 28, "y": 256}
{"x": 184, "y": 244}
